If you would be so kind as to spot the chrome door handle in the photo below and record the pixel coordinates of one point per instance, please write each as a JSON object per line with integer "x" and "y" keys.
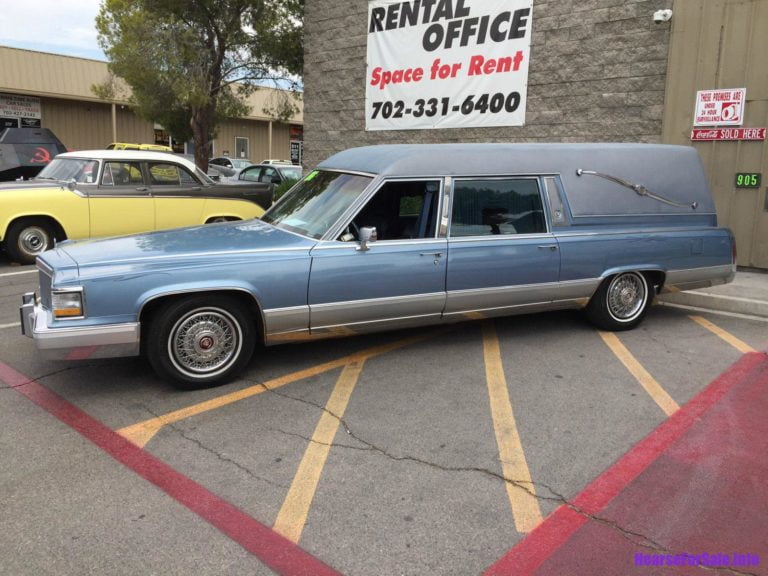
{"x": 435, "y": 254}
{"x": 550, "y": 247}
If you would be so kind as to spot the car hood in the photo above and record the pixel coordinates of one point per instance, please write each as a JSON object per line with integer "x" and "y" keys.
{"x": 196, "y": 242}
{"x": 26, "y": 184}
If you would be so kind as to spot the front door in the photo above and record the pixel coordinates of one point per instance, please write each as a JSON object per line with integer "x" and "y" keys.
{"x": 121, "y": 203}
{"x": 398, "y": 281}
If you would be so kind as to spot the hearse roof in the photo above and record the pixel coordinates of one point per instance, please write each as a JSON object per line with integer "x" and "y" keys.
{"x": 672, "y": 172}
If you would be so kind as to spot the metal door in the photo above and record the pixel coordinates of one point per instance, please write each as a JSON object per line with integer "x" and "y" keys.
{"x": 722, "y": 44}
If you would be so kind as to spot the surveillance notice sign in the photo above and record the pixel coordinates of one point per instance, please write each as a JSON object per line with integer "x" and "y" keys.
{"x": 447, "y": 63}
{"x": 720, "y": 107}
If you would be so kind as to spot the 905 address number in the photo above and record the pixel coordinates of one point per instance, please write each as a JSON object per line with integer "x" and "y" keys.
{"x": 493, "y": 103}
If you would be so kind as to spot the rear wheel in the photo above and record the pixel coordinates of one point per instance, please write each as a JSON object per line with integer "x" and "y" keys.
{"x": 28, "y": 238}
{"x": 620, "y": 302}
{"x": 201, "y": 341}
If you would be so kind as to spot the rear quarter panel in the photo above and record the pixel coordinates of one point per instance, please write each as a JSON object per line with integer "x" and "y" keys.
{"x": 597, "y": 254}
{"x": 177, "y": 212}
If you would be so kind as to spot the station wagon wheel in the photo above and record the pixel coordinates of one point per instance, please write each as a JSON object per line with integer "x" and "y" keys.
{"x": 201, "y": 341}
{"x": 28, "y": 238}
{"x": 620, "y": 302}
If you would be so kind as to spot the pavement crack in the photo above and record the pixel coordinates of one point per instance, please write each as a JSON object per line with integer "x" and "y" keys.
{"x": 224, "y": 458}
{"x": 533, "y": 489}
{"x": 221, "y": 457}
{"x": 39, "y": 379}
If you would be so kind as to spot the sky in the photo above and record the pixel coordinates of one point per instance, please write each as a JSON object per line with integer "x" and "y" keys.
{"x": 56, "y": 26}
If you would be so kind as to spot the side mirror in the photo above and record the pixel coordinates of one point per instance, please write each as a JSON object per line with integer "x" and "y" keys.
{"x": 72, "y": 184}
{"x": 366, "y": 235}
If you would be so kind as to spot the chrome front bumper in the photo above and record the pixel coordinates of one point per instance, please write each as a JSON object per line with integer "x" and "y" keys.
{"x": 76, "y": 342}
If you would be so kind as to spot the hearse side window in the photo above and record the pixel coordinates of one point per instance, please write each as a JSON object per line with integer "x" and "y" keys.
{"x": 487, "y": 207}
{"x": 400, "y": 210}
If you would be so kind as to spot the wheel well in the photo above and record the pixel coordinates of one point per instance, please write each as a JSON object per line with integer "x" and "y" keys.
{"x": 152, "y": 307}
{"x": 213, "y": 219}
{"x": 656, "y": 278}
{"x": 58, "y": 231}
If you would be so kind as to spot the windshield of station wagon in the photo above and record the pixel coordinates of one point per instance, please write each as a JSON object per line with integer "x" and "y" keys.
{"x": 82, "y": 170}
{"x": 315, "y": 203}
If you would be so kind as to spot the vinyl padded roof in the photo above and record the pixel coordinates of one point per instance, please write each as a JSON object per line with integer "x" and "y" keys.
{"x": 674, "y": 172}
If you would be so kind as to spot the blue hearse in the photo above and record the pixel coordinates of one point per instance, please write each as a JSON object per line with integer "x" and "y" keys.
{"x": 387, "y": 237}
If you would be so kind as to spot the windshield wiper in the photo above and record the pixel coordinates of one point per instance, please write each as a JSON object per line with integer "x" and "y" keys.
{"x": 639, "y": 189}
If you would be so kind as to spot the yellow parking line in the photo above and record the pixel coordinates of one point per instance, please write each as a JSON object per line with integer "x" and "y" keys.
{"x": 142, "y": 432}
{"x": 741, "y": 346}
{"x": 293, "y": 514}
{"x": 654, "y": 389}
{"x": 525, "y": 506}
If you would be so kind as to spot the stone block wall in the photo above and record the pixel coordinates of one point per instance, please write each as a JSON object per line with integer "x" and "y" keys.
{"x": 597, "y": 74}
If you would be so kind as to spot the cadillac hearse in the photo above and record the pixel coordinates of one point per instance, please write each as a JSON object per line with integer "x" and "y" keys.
{"x": 386, "y": 237}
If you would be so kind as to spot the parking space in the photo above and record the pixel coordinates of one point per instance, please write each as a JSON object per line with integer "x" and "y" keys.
{"x": 430, "y": 451}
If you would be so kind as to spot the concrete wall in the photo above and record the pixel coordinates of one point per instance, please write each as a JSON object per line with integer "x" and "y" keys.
{"x": 597, "y": 73}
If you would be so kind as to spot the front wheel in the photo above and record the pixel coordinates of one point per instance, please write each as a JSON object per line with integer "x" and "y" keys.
{"x": 28, "y": 238}
{"x": 201, "y": 341}
{"x": 620, "y": 302}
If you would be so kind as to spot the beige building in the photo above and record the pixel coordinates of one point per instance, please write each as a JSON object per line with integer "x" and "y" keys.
{"x": 599, "y": 71}
{"x": 53, "y": 91}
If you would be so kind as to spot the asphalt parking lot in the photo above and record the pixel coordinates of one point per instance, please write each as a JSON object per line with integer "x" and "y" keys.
{"x": 429, "y": 451}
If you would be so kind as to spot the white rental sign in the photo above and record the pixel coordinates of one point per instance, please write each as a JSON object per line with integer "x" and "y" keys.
{"x": 447, "y": 63}
{"x": 720, "y": 107}
{"x": 14, "y": 106}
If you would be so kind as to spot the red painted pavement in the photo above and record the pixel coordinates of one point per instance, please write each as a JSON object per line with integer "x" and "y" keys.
{"x": 697, "y": 485}
{"x": 277, "y": 552}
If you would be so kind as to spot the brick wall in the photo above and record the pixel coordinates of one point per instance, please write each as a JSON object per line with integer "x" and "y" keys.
{"x": 597, "y": 73}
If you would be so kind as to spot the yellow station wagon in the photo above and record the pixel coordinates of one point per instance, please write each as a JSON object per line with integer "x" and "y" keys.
{"x": 99, "y": 193}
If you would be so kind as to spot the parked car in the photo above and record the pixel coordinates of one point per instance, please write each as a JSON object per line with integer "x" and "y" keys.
{"x": 227, "y": 162}
{"x": 272, "y": 173}
{"x": 390, "y": 237}
{"x": 134, "y": 146}
{"x": 97, "y": 193}
{"x": 275, "y": 161}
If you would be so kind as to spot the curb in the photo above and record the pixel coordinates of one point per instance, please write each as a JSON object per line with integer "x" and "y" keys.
{"x": 717, "y": 302}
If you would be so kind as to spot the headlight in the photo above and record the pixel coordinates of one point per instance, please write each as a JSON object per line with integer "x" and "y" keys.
{"x": 67, "y": 304}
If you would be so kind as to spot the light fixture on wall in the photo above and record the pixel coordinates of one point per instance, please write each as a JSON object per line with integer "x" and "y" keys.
{"x": 662, "y": 16}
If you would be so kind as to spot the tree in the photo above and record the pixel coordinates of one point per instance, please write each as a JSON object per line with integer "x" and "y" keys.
{"x": 192, "y": 63}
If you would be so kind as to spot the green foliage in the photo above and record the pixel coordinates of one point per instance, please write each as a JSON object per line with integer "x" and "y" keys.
{"x": 284, "y": 186}
{"x": 191, "y": 63}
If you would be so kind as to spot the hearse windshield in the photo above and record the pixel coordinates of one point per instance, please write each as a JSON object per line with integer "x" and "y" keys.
{"x": 315, "y": 203}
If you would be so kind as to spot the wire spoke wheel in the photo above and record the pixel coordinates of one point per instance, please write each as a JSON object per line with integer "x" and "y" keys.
{"x": 200, "y": 341}
{"x": 626, "y": 296}
{"x": 620, "y": 303}
{"x": 204, "y": 342}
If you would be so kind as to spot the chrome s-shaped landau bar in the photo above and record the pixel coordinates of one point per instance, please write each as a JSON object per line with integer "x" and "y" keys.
{"x": 639, "y": 189}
